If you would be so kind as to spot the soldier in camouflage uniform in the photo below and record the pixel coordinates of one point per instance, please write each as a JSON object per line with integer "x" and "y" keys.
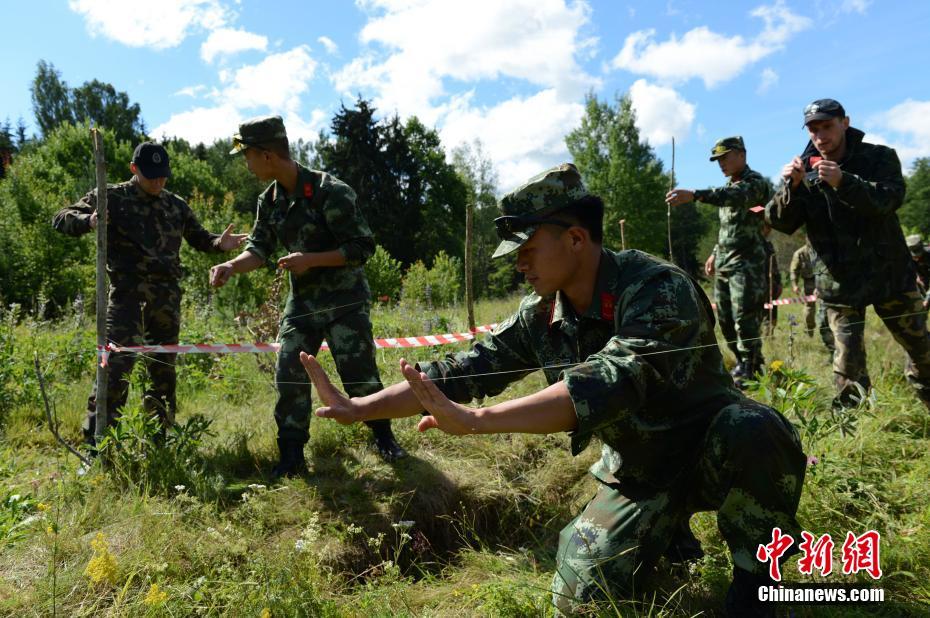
{"x": 846, "y": 192}
{"x": 626, "y": 343}
{"x": 144, "y": 231}
{"x": 314, "y": 217}
{"x": 802, "y": 282}
{"x": 739, "y": 257}
{"x": 921, "y": 257}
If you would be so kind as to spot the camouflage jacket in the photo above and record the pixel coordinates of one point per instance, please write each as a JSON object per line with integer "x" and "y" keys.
{"x": 323, "y": 216}
{"x": 739, "y": 238}
{"x": 922, "y": 264}
{"x": 801, "y": 270}
{"x": 642, "y": 366}
{"x": 144, "y": 232}
{"x": 859, "y": 255}
{"x": 771, "y": 270}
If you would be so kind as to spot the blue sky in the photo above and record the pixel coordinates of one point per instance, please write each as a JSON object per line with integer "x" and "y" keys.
{"x": 510, "y": 73}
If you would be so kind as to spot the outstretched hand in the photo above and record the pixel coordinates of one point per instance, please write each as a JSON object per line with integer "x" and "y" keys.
{"x": 229, "y": 241}
{"x": 445, "y": 414}
{"x": 338, "y": 407}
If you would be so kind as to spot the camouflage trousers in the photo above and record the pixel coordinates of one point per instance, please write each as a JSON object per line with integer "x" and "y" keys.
{"x": 905, "y": 317}
{"x": 740, "y": 295}
{"x": 350, "y": 341}
{"x": 750, "y": 470}
{"x": 140, "y": 312}
{"x": 815, "y": 319}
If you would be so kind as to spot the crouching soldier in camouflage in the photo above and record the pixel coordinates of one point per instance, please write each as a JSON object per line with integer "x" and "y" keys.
{"x": 846, "y": 192}
{"x": 739, "y": 260}
{"x": 144, "y": 231}
{"x": 315, "y": 218}
{"x": 626, "y": 342}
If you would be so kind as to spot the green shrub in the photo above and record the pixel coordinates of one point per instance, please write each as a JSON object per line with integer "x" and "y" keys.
{"x": 437, "y": 286}
{"x": 384, "y": 275}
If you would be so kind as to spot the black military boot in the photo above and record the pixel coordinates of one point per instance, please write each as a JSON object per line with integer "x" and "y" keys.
{"x": 387, "y": 446}
{"x": 292, "y": 461}
{"x": 743, "y": 596}
{"x": 684, "y": 546}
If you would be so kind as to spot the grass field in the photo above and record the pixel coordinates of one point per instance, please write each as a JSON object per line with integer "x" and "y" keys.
{"x": 464, "y": 526}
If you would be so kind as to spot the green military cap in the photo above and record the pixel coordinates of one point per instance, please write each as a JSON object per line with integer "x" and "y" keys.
{"x": 258, "y": 131}
{"x": 725, "y": 145}
{"x": 526, "y": 207}
{"x": 915, "y": 244}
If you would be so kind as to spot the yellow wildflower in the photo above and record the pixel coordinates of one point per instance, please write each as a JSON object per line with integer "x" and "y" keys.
{"x": 155, "y": 596}
{"x": 266, "y": 613}
{"x": 776, "y": 365}
{"x": 102, "y": 565}
{"x": 42, "y": 506}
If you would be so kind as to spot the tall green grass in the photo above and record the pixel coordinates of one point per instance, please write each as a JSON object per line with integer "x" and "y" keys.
{"x": 465, "y": 526}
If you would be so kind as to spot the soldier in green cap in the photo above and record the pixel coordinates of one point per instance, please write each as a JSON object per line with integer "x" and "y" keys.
{"x": 739, "y": 258}
{"x": 315, "y": 218}
{"x": 802, "y": 282}
{"x": 626, "y": 343}
{"x": 145, "y": 227}
{"x": 921, "y": 257}
{"x": 846, "y": 193}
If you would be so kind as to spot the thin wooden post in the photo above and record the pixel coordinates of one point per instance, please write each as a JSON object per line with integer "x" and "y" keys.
{"x": 623, "y": 234}
{"x": 671, "y": 255}
{"x": 100, "y": 162}
{"x": 469, "y": 240}
{"x": 771, "y": 326}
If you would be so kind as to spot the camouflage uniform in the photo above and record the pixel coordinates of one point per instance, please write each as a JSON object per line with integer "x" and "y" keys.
{"x": 647, "y": 380}
{"x": 921, "y": 258}
{"x": 815, "y": 315}
{"x": 740, "y": 288}
{"x": 773, "y": 284}
{"x": 144, "y": 235}
{"x": 331, "y": 303}
{"x": 859, "y": 259}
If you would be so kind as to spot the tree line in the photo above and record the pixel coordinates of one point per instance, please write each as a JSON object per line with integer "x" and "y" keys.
{"x": 413, "y": 192}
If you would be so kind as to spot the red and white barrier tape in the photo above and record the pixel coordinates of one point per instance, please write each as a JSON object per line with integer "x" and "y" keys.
{"x": 239, "y": 348}
{"x": 782, "y": 301}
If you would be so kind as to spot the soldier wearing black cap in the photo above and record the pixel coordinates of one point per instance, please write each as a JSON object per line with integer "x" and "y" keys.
{"x": 921, "y": 257}
{"x": 313, "y": 216}
{"x": 739, "y": 259}
{"x": 846, "y": 192}
{"x": 144, "y": 231}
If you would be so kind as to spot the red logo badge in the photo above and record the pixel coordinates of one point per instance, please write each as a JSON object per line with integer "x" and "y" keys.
{"x": 607, "y": 306}
{"x": 308, "y": 190}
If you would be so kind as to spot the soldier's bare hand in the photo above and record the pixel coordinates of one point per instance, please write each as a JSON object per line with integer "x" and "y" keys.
{"x": 829, "y": 172}
{"x": 677, "y": 197}
{"x": 229, "y": 241}
{"x": 793, "y": 172}
{"x": 446, "y": 415}
{"x": 709, "y": 265}
{"x": 220, "y": 274}
{"x": 297, "y": 263}
{"x": 93, "y": 220}
{"x": 338, "y": 407}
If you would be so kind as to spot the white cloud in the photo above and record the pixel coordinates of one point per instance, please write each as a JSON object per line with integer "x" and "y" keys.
{"x": 150, "y": 24}
{"x": 522, "y": 135}
{"x": 661, "y": 113}
{"x": 431, "y": 41}
{"x": 329, "y": 44}
{"x": 703, "y": 54}
{"x": 906, "y": 127}
{"x": 277, "y": 82}
{"x": 768, "y": 78}
{"x": 225, "y": 41}
{"x": 855, "y": 6}
{"x": 273, "y": 86}
{"x": 191, "y": 91}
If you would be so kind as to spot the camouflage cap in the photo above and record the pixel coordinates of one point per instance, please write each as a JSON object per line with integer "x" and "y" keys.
{"x": 543, "y": 194}
{"x": 915, "y": 244}
{"x": 258, "y": 131}
{"x": 725, "y": 145}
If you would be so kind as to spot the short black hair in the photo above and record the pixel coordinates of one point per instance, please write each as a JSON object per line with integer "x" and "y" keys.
{"x": 279, "y": 146}
{"x": 588, "y": 213}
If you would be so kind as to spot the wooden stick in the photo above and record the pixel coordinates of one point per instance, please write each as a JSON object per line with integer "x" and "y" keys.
{"x": 100, "y": 162}
{"x": 469, "y": 240}
{"x": 671, "y": 257}
{"x": 623, "y": 234}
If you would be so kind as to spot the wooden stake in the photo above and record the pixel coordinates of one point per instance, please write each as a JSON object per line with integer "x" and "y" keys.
{"x": 623, "y": 234}
{"x": 671, "y": 257}
{"x": 469, "y": 240}
{"x": 100, "y": 162}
